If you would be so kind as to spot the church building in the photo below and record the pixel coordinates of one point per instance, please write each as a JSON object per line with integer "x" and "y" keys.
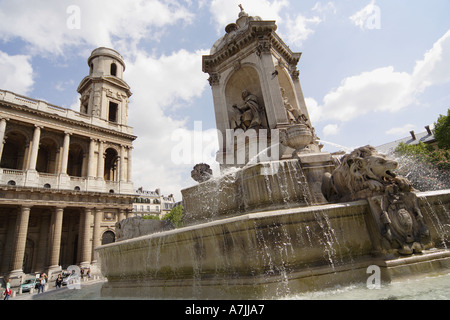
{"x": 65, "y": 175}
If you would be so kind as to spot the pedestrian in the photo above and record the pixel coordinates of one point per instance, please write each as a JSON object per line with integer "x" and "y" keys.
{"x": 89, "y": 272}
{"x": 7, "y": 292}
{"x": 41, "y": 286}
{"x": 59, "y": 281}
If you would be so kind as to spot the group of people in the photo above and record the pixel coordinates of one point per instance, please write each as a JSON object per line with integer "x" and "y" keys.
{"x": 42, "y": 281}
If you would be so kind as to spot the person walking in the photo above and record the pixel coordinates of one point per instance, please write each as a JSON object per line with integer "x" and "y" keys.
{"x": 7, "y": 292}
{"x": 59, "y": 281}
{"x": 42, "y": 283}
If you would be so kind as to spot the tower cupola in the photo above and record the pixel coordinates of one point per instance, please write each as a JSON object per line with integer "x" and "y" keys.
{"x": 104, "y": 93}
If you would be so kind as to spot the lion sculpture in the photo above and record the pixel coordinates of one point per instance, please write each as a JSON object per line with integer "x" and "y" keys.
{"x": 367, "y": 174}
{"x": 361, "y": 174}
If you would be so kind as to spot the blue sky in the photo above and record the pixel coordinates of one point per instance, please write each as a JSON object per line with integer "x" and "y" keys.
{"x": 371, "y": 70}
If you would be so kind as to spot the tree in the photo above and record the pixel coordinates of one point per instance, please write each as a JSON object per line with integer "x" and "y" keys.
{"x": 425, "y": 167}
{"x": 442, "y": 131}
{"x": 176, "y": 216}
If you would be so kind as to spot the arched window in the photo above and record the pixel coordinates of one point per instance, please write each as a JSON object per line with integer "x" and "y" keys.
{"x": 47, "y": 156}
{"x": 75, "y": 160}
{"x": 111, "y": 165}
{"x": 108, "y": 237}
{"x": 14, "y": 151}
{"x": 113, "y": 69}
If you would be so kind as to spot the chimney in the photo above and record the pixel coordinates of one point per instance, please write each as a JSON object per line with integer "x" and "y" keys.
{"x": 413, "y": 135}
{"x": 428, "y": 130}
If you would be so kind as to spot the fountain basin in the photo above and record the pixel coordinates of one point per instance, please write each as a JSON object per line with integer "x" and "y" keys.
{"x": 268, "y": 254}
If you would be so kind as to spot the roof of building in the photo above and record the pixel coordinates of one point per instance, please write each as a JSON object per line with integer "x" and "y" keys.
{"x": 413, "y": 139}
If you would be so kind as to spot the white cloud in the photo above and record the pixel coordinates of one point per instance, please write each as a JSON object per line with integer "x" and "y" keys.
{"x": 331, "y": 130}
{"x": 434, "y": 69}
{"x": 400, "y": 131}
{"x": 16, "y": 73}
{"x": 224, "y": 13}
{"x": 300, "y": 28}
{"x": 159, "y": 84}
{"x": 112, "y": 23}
{"x": 384, "y": 89}
{"x": 321, "y": 8}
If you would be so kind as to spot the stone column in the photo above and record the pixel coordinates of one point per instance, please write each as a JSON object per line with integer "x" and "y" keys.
{"x": 122, "y": 214}
{"x": 65, "y": 153}
{"x": 20, "y": 241}
{"x": 55, "y": 245}
{"x": 5, "y": 260}
{"x": 101, "y": 161}
{"x": 35, "y": 148}
{"x": 129, "y": 165}
{"x": 91, "y": 163}
{"x": 96, "y": 241}
{"x": 86, "y": 241}
{"x": 122, "y": 163}
{"x": 2, "y": 134}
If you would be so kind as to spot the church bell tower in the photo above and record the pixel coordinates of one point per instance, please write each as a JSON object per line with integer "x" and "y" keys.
{"x": 104, "y": 93}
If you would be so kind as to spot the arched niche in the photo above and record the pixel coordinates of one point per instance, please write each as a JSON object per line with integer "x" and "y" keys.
{"x": 285, "y": 82}
{"x": 245, "y": 78}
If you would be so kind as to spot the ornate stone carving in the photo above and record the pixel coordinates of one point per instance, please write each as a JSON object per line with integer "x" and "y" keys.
{"x": 264, "y": 45}
{"x": 400, "y": 222}
{"x": 214, "y": 79}
{"x": 367, "y": 174}
{"x": 361, "y": 174}
{"x": 201, "y": 173}
{"x": 248, "y": 115}
{"x": 294, "y": 114}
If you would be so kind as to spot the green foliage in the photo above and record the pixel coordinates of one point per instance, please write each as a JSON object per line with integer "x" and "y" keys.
{"x": 442, "y": 131}
{"x": 176, "y": 216}
{"x": 151, "y": 217}
{"x": 423, "y": 152}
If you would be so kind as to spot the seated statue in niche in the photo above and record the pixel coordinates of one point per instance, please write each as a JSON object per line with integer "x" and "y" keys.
{"x": 294, "y": 114}
{"x": 247, "y": 116}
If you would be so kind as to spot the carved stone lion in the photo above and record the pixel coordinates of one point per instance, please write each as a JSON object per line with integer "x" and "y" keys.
{"x": 361, "y": 174}
{"x": 367, "y": 174}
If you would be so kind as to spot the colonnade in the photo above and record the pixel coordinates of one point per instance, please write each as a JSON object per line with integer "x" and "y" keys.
{"x": 95, "y": 165}
{"x": 50, "y": 239}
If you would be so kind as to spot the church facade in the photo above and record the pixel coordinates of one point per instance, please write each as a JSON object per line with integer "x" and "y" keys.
{"x": 65, "y": 175}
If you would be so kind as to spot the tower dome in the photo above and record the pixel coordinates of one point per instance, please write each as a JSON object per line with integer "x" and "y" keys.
{"x": 105, "y": 61}
{"x": 104, "y": 93}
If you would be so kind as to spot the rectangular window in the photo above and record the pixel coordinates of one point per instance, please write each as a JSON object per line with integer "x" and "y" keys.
{"x": 113, "y": 108}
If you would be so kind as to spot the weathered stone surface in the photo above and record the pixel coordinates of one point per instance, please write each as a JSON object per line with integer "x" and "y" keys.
{"x": 138, "y": 227}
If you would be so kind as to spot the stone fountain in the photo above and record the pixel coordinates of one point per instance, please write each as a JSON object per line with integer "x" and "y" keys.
{"x": 282, "y": 217}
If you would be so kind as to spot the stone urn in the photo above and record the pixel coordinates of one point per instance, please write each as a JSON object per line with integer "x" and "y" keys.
{"x": 296, "y": 137}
